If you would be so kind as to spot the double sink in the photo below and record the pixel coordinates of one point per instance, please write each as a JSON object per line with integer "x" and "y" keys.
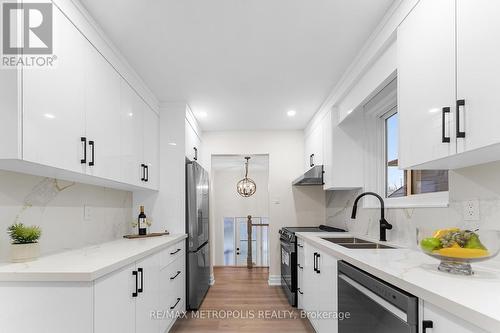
{"x": 357, "y": 243}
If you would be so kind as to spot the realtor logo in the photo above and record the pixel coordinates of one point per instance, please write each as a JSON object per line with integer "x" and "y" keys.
{"x": 27, "y": 28}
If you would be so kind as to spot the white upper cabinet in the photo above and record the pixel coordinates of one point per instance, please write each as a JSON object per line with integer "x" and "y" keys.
{"x": 79, "y": 120}
{"x": 478, "y": 73}
{"x": 53, "y": 118}
{"x": 448, "y": 78}
{"x": 152, "y": 148}
{"x": 313, "y": 146}
{"x": 193, "y": 136}
{"x": 132, "y": 141}
{"x": 426, "y": 82}
{"x": 102, "y": 116}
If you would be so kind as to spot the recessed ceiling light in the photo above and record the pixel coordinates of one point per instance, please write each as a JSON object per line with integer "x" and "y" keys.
{"x": 49, "y": 115}
{"x": 291, "y": 113}
{"x": 172, "y": 143}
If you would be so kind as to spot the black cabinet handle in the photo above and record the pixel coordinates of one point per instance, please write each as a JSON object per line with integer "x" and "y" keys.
{"x": 84, "y": 141}
{"x": 311, "y": 160}
{"x": 173, "y": 306}
{"x": 317, "y": 265}
{"x": 143, "y": 167}
{"x": 300, "y": 292}
{"x": 300, "y": 267}
{"x": 141, "y": 289}
{"x": 427, "y": 324}
{"x": 445, "y": 139}
{"x": 195, "y": 153}
{"x": 147, "y": 172}
{"x": 460, "y": 103}
{"x": 172, "y": 253}
{"x": 299, "y": 245}
{"x": 176, "y": 275}
{"x": 134, "y": 294}
{"x": 314, "y": 266}
{"x": 92, "y": 144}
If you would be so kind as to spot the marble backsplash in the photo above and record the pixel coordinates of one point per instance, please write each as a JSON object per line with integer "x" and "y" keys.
{"x": 479, "y": 182}
{"x": 58, "y": 208}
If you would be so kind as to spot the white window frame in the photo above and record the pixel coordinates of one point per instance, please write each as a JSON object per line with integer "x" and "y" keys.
{"x": 376, "y": 112}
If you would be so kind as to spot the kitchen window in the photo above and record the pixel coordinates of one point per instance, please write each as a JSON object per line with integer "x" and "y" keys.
{"x": 405, "y": 183}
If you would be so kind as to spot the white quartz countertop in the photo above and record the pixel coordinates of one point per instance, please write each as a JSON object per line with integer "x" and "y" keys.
{"x": 475, "y": 299}
{"x": 88, "y": 263}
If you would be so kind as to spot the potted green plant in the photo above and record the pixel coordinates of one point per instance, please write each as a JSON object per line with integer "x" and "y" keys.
{"x": 25, "y": 246}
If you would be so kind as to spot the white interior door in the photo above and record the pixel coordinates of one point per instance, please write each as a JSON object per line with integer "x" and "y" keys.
{"x": 426, "y": 82}
{"x": 478, "y": 72}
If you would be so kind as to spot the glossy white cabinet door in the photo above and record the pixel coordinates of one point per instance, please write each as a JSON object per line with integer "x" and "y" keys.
{"x": 193, "y": 142}
{"x": 132, "y": 125}
{"x": 149, "y": 294}
{"x": 325, "y": 293}
{"x": 314, "y": 146}
{"x": 102, "y": 115}
{"x": 152, "y": 146}
{"x": 478, "y": 72}
{"x": 445, "y": 322}
{"x": 426, "y": 82}
{"x": 53, "y": 103}
{"x": 114, "y": 306}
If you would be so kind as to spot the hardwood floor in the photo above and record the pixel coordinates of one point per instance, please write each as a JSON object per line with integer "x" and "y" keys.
{"x": 244, "y": 293}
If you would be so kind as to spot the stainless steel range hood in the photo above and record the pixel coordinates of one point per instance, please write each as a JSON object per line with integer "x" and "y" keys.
{"x": 313, "y": 176}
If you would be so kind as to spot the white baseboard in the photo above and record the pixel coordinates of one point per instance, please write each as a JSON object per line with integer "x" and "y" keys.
{"x": 212, "y": 280}
{"x": 274, "y": 280}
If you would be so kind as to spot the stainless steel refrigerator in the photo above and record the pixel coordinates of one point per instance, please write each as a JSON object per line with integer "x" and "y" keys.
{"x": 198, "y": 249}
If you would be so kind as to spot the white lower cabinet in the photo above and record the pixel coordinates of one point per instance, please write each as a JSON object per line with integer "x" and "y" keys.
{"x": 300, "y": 273}
{"x": 319, "y": 287}
{"x": 445, "y": 322}
{"x": 143, "y": 297}
{"x": 114, "y": 303}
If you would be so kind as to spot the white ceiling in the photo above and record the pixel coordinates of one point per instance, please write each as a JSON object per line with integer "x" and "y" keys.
{"x": 237, "y": 162}
{"x": 243, "y": 62}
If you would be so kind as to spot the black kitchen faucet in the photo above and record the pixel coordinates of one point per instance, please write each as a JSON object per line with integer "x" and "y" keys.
{"x": 384, "y": 225}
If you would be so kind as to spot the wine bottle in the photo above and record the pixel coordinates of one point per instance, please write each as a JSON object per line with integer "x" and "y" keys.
{"x": 141, "y": 222}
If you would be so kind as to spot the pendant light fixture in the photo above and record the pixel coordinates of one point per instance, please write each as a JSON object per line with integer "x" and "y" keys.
{"x": 246, "y": 187}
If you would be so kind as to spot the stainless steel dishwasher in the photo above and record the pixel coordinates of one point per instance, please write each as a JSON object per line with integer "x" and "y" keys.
{"x": 372, "y": 305}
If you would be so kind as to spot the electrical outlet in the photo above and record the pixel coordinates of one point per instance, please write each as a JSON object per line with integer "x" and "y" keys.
{"x": 471, "y": 210}
{"x": 87, "y": 213}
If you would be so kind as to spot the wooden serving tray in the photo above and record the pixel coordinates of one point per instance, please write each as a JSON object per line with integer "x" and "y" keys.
{"x": 153, "y": 234}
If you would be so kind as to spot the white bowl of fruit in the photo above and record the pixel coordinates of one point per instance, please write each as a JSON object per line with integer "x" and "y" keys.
{"x": 457, "y": 248}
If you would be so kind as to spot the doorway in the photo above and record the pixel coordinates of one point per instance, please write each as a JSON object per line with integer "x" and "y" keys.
{"x": 231, "y": 211}
{"x": 236, "y": 241}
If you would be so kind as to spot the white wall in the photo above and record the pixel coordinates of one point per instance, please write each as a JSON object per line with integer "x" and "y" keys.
{"x": 289, "y": 206}
{"x": 57, "y": 207}
{"x": 228, "y": 203}
{"x": 479, "y": 182}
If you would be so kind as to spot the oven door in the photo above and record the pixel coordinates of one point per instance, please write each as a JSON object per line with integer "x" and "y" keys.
{"x": 289, "y": 271}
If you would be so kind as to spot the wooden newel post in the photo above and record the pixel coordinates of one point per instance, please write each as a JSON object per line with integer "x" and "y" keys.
{"x": 249, "y": 250}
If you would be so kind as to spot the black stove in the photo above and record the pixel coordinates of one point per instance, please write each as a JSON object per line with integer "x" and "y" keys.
{"x": 288, "y": 233}
{"x": 289, "y": 257}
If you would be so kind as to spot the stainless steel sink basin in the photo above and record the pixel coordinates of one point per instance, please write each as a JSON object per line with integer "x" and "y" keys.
{"x": 357, "y": 243}
{"x": 366, "y": 246}
{"x": 348, "y": 240}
